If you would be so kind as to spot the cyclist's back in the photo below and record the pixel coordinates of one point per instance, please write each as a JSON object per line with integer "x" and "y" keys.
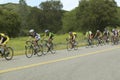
{"x": 98, "y": 34}
{"x": 3, "y": 39}
{"x": 72, "y": 35}
{"x": 89, "y": 35}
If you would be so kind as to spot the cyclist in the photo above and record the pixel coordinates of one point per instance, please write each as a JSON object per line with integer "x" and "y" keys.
{"x": 89, "y": 36}
{"x": 3, "y": 41}
{"x": 48, "y": 36}
{"x": 72, "y": 38}
{"x": 115, "y": 34}
{"x": 106, "y": 35}
{"x": 98, "y": 36}
{"x": 35, "y": 37}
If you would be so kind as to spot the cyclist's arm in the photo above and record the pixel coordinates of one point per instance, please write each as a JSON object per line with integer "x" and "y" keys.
{"x": 29, "y": 38}
{"x": 1, "y": 40}
{"x": 50, "y": 34}
{"x": 74, "y": 37}
{"x": 95, "y": 35}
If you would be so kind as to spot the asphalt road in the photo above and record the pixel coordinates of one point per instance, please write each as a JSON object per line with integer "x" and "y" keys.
{"x": 98, "y": 63}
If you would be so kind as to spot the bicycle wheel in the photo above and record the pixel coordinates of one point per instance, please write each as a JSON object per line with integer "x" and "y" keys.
{"x": 28, "y": 51}
{"x": 9, "y": 53}
{"x": 40, "y": 50}
{"x": 52, "y": 48}
{"x": 76, "y": 46}
{"x": 45, "y": 49}
{"x": 69, "y": 46}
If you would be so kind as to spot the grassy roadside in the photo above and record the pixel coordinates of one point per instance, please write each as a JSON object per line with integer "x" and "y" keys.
{"x": 18, "y": 44}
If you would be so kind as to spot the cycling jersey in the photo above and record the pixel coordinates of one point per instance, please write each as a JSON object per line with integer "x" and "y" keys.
{"x": 98, "y": 34}
{"x": 3, "y": 39}
{"x": 36, "y": 36}
{"x": 73, "y": 35}
{"x": 89, "y": 35}
{"x": 50, "y": 35}
{"x": 115, "y": 33}
{"x": 106, "y": 33}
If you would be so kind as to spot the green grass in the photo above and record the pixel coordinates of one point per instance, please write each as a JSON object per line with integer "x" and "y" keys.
{"x": 18, "y": 44}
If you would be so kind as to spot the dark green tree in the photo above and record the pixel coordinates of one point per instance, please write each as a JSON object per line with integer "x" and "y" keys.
{"x": 23, "y": 12}
{"x": 96, "y": 14}
{"x": 9, "y": 23}
{"x": 52, "y": 15}
{"x": 35, "y": 19}
{"x": 70, "y": 21}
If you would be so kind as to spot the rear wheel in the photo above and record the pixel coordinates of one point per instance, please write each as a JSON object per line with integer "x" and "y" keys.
{"x": 9, "y": 53}
{"x": 45, "y": 49}
{"x": 28, "y": 51}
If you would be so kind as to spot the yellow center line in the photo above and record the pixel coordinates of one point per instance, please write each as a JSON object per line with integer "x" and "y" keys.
{"x": 53, "y": 61}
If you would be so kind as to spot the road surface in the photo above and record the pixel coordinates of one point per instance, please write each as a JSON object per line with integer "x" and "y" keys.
{"x": 97, "y": 63}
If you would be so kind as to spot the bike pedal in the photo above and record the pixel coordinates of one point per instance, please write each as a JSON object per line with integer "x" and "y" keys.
{"x": 35, "y": 53}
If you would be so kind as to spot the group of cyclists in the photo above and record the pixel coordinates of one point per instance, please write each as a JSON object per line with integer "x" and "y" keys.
{"x": 33, "y": 35}
{"x": 106, "y": 36}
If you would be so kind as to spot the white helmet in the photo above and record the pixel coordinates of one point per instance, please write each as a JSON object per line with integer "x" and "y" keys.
{"x": 31, "y": 30}
{"x": 98, "y": 30}
{"x": 46, "y": 31}
{"x": 90, "y": 32}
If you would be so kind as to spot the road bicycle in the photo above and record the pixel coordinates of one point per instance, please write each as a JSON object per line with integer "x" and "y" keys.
{"x": 7, "y": 53}
{"x": 100, "y": 42}
{"x": 48, "y": 47}
{"x": 72, "y": 45}
{"x": 115, "y": 40}
{"x": 31, "y": 49}
{"x": 90, "y": 43}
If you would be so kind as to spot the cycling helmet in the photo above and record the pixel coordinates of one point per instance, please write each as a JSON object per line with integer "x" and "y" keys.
{"x": 90, "y": 32}
{"x": 70, "y": 32}
{"x": 113, "y": 29}
{"x": 46, "y": 31}
{"x": 31, "y": 30}
{"x": 98, "y": 30}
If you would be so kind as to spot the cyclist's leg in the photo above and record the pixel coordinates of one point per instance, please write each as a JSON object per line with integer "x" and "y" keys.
{"x": 3, "y": 47}
{"x": 71, "y": 42}
{"x": 35, "y": 42}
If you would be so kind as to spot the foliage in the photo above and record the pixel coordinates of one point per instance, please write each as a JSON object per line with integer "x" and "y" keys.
{"x": 69, "y": 21}
{"x": 17, "y": 19}
{"x": 96, "y": 14}
{"x": 52, "y": 15}
{"x": 9, "y": 23}
{"x": 23, "y": 11}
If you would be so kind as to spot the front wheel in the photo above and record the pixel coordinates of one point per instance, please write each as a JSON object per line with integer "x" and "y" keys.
{"x": 28, "y": 51}
{"x": 69, "y": 46}
{"x": 52, "y": 48}
{"x": 9, "y": 53}
{"x": 40, "y": 50}
{"x": 76, "y": 46}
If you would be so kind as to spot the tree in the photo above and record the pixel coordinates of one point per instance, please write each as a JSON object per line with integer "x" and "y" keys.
{"x": 70, "y": 21}
{"x": 35, "y": 19}
{"x": 23, "y": 12}
{"x": 52, "y": 15}
{"x": 96, "y": 14}
{"x": 9, "y": 23}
